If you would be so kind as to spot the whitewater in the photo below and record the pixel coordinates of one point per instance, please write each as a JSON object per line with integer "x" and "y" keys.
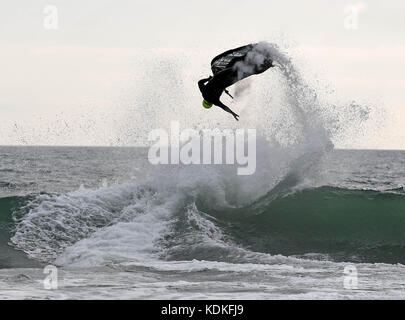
{"x": 117, "y": 226}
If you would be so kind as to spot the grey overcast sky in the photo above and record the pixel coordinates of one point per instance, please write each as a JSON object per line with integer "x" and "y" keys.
{"x": 72, "y": 85}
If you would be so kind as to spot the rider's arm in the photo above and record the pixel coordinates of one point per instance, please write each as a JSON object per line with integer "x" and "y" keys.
{"x": 227, "y": 109}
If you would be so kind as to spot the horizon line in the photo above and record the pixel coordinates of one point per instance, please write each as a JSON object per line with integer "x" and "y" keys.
{"x": 143, "y": 146}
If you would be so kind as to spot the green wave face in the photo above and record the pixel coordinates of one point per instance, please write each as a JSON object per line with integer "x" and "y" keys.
{"x": 343, "y": 225}
{"x": 321, "y": 223}
{"x": 10, "y": 257}
{"x": 7, "y": 206}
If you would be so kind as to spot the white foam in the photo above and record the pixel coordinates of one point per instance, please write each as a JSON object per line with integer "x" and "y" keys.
{"x": 130, "y": 222}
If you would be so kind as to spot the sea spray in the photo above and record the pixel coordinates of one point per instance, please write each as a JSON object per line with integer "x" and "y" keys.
{"x": 139, "y": 221}
{"x": 300, "y": 96}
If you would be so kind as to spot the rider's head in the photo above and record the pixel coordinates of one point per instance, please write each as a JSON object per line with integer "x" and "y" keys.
{"x": 206, "y": 104}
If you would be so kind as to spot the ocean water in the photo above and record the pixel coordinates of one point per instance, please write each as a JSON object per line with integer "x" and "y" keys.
{"x": 116, "y": 226}
{"x": 312, "y": 222}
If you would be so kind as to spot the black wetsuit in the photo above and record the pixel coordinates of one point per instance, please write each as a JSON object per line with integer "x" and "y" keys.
{"x": 213, "y": 90}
